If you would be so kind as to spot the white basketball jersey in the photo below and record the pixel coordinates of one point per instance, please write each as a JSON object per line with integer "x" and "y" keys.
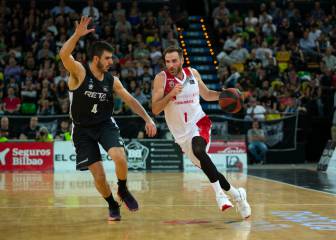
{"x": 184, "y": 111}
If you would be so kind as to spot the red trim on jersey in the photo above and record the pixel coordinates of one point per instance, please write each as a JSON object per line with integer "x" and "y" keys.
{"x": 204, "y": 125}
{"x": 171, "y": 81}
{"x": 187, "y": 72}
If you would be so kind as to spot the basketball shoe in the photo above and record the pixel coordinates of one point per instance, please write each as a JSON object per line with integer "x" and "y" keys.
{"x": 223, "y": 201}
{"x": 126, "y": 197}
{"x": 242, "y": 205}
{"x": 114, "y": 214}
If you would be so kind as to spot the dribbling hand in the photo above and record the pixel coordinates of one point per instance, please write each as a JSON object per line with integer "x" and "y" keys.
{"x": 82, "y": 27}
{"x": 150, "y": 129}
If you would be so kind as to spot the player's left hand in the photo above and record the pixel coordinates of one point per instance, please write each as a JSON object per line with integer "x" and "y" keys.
{"x": 150, "y": 128}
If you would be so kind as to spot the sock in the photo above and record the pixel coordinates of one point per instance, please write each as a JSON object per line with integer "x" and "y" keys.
{"x": 111, "y": 202}
{"x": 233, "y": 192}
{"x": 122, "y": 185}
{"x": 223, "y": 182}
{"x": 217, "y": 188}
{"x": 208, "y": 167}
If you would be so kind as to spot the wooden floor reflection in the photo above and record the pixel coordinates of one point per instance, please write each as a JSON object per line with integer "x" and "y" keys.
{"x": 172, "y": 206}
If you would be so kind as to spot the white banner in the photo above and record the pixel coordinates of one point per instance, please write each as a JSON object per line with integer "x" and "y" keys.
{"x": 222, "y": 161}
{"x": 65, "y": 157}
{"x": 332, "y": 163}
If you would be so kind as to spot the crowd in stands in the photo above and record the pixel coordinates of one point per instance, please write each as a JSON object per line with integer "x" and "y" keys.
{"x": 32, "y": 77}
{"x": 282, "y": 56}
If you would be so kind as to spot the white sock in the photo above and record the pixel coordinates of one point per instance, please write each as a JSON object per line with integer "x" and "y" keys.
{"x": 233, "y": 192}
{"x": 217, "y": 188}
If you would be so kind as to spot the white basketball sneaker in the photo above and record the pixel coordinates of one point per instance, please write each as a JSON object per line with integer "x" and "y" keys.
{"x": 223, "y": 201}
{"x": 242, "y": 204}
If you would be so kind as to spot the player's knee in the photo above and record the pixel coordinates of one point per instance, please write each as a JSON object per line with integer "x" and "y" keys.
{"x": 100, "y": 178}
{"x": 199, "y": 147}
{"x": 117, "y": 155}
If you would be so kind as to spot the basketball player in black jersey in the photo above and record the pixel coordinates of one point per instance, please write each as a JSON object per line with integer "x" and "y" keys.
{"x": 91, "y": 106}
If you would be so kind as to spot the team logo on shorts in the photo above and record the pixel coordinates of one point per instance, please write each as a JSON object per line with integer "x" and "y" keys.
{"x": 121, "y": 142}
{"x": 137, "y": 155}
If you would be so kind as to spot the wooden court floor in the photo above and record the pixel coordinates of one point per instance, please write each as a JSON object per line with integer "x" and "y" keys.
{"x": 172, "y": 206}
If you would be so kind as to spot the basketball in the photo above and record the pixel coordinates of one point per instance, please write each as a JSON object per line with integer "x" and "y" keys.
{"x": 230, "y": 100}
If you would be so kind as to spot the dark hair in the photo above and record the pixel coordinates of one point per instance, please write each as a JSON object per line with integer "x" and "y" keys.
{"x": 99, "y": 47}
{"x": 173, "y": 48}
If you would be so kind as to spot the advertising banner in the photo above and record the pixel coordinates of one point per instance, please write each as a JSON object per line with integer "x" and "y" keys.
{"x": 145, "y": 154}
{"x": 26, "y": 156}
{"x": 225, "y": 155}
{"x": 65, "y": 157}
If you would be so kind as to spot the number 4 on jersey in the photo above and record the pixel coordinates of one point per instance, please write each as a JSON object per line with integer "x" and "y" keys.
{"x": 94, "y": 109}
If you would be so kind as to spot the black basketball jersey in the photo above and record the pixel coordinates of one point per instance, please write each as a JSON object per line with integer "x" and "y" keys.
{"x": 92, "y": 102}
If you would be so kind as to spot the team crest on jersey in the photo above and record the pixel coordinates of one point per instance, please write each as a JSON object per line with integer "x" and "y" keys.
{"x": 105, "y": 89}
{"x": 171, "y": 83}
{"x": 90, "y": 86}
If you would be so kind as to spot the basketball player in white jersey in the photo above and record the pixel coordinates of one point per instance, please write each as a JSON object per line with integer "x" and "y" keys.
{"x": 176, "y": 92}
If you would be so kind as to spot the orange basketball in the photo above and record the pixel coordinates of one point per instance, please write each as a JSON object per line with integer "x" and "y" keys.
{"x": 230, "y": 100}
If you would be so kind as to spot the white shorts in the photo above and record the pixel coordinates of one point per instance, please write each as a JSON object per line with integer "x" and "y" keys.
{"x": 203, "y": 129}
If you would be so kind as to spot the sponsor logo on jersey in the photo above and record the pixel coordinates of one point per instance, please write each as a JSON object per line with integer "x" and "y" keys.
{"x": 105, "y": 88}
{"x": 90, "y": 86}
{"x": 100, "y": 96}
{"x": 171, "y": 83}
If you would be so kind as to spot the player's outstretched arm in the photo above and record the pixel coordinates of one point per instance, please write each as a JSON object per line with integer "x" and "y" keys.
{"x": 159, "y": 101}
{"x": 135, "y": 106}
{"x": 205, "y": 92}
{"x": 76, "y": 69}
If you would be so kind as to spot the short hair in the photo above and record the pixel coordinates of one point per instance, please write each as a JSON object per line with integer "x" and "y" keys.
{"x": 99, "y": 47}
{"x": 173, "y": 48}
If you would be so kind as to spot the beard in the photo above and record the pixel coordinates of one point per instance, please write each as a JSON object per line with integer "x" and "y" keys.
{"x": 100, "y": 66}
{"x": 175, "y": 71}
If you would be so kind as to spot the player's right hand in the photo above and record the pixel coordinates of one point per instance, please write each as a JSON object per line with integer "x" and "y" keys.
{"x": 176, "y": 90}
{"x": 82, "y": 27}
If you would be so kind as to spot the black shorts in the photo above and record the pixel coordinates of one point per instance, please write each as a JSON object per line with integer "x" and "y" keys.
{"x": 86, "y": 141}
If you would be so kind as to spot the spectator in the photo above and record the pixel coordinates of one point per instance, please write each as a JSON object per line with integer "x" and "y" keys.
{"x": 63, "y": 132}
{"x": 11, "y": 102}
{"x": 30, "y": 132}
{"x": 61, "y": 9}
{"x": 6, "y": 133}
{"x": 91, "y": 11}
{"x": 255, "y": 111}
{"x": 62, "y": 74}
{"x": 119, "y": 12}
{"x": 219, "y": 12}
{"x": 43, "y": 135}
{"x": 122, "y": 27}
{"x": 251, "y": 21}
{"x": 45, "y": 108}
{"x": 141, "y": 97}
{"x": 12, "y": 69}
{"x": 256, "y": 142}
{"x": 147, "y": 75}
{"x": 307, "y": 44}
{"x": 329, "y": 59}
